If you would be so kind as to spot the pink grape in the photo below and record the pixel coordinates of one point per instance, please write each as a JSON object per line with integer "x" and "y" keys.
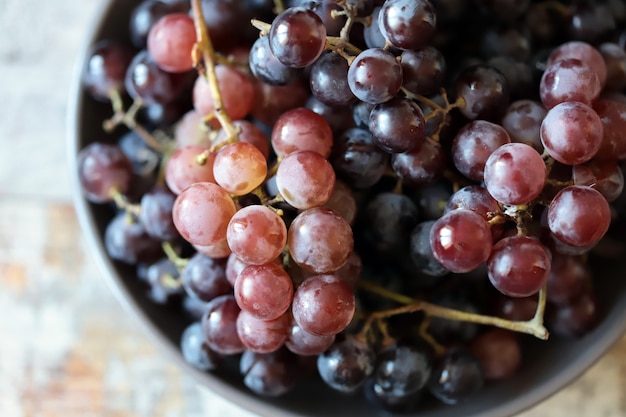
{"x": 262, "y": 336}
{"x": 188, "y": 165}
{"x": 236, "y": 89}
{"x": 569, "y": 80}
{"x": 571, "y": 132}
{"x": 239, "y": 168}
{"x": 584, "y": 52}
{"x": 265, "y": 291}
{"x": 102, "y": 170}
{"x": 301, "y": 129}
{"x": 320, "y": 240}
{"x": 306, "y": 344}
{"x": 219, "y": 325}
{"x": 217, "y": 251}
{"x": 256, "y": 235}
{"x": 201, "y": 213}
{"x": 579, "y": 216}
{"x": 461, "y": 240}
{"x": 323, "y": 305}
{"x": 518, "y": 266}
{"x": 305, "y": 179}
{"x": 249, "y": 133}
{"x": 171, "y": 41}
{"x": 515, "y": 174}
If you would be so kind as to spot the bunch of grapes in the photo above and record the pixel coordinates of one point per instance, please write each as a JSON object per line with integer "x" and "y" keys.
{"x": 351, "y": 188}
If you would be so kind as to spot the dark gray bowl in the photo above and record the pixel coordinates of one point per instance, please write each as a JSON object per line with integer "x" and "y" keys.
{"x": 548, "y": 366}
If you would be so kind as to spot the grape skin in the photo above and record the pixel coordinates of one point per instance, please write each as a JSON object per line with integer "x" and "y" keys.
{"x": 265, "y": 291}
{"x": 323, "y": 305}
{"x": 515, "y": 174}
{"x": 201, "y": 213}
{"x": 579, "y": 216}
{"x": 305, "y": 179}
{"x": 320, "y": 240}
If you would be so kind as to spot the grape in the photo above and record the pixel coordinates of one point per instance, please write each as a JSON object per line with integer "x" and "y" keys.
{"x": 248, "y": 133}
{"x": 270, "y": 101}
{"x": 522, "y": 122}
{"x": 306, "y": 344}
{"x": 329, "y": 80}
{"x": 171, "y": 41}
{"x": 461, "y": 240}
{"x": 256, "y": 235}
{"x": 305, "y": 179}
{"x": 389, "y": 218}
{"x": 570, "y": 277}
{"x": 498, "y": 352}
{"x": 190, "y": 130}
{"x": 346, "y": 364}
{"x": 297, "y": 37}
{"x": 473, "y": 144}
{"x": 162, "y": 278}
{"x": 343, "y": 201}
{"x": 571, "y": 132}
{"x": 401, "y": 371}
{"x": 484, "y": 91}
{"x": 320, "y": 240}
{"x": 375, "y": 76}
{"x": 421, "y": 166}
{"x": 201, "y": 213}
{"x": 613, "y": 117}
{"x": 217, "y": 250}
{"x": 105, "y": 70}
{"x": 575, "y": 319}
{"x": 147, "y": 82}
{"x": 239, "y": 168}
{"x": 515, "y": 309}
{"x": 265, "y": 291}
{"x": 423, "y": 71}
{"x": 606, "y": 177}
{"x": 338, "y": 118}
{"x": 519, "y": 75}
{"x": 126, "y": 240}
{"x": 357, "y": 159}
{"x": 156, "y": 214}
{"x": 407, "y": 24}
{"x": 518, "y": 266}
{"x": 219, "y": 325}
{"x": 591, "y": 23}
{"x": 204, "y": 277}
{"x": 515, "y": 174}
{"x": 103, "y": 170}
{"x": 456, "y": 376}
{"x": 236, "y": 89}
{"x": 144, "y": 159}
{"x": 270, "y": 374}
{"x": 372, "y": 34}
{"x": 579, "y": 216}
{"x": 195, "y": 351}
{"x": 456, "y": 297}
{"x": 146, "y": 14}
{"x": 188, "y": 165}
{"x": 584, "y": 52}
{"x": 262, "y": 336}
{"x": 614, "y": 57}
{"x": 323, "y": 305}
{"x": 421, "y": 252}
{"x": 301, "y": 129}
{"x": 397, "y": 125}
{"x": 267, "y": 68}
{"x": 569, "y": 80}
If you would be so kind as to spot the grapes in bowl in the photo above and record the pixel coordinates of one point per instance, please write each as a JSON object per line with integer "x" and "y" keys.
{"x": 358, "y": 207}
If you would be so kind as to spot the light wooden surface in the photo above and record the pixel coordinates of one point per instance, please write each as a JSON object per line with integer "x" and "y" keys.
{"x": 66, "y": 347}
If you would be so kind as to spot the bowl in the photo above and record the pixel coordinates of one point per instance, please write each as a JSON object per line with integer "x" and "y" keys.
{"x": 548, "y": 366}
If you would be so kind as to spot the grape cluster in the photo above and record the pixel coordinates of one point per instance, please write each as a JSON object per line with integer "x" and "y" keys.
{"x": 349, "y": 187}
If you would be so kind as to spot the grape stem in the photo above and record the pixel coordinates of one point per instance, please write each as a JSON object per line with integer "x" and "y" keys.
{"x": 533, "y": 326}
{"x": 204, "y": 59}
{"x": 173, "y": 256}
{"x": 127, "y": 118}
{"x": 123, "y": 204}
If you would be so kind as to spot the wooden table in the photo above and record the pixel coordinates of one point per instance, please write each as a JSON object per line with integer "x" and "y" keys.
{"x": 66, "y": 347}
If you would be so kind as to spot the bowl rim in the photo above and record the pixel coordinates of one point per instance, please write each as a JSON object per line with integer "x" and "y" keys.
{"x": 248, "y": 400}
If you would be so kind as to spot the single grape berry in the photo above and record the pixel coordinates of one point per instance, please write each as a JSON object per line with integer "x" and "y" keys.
{"x": 297, "y": 37}
{"x": 375, "y": 76}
